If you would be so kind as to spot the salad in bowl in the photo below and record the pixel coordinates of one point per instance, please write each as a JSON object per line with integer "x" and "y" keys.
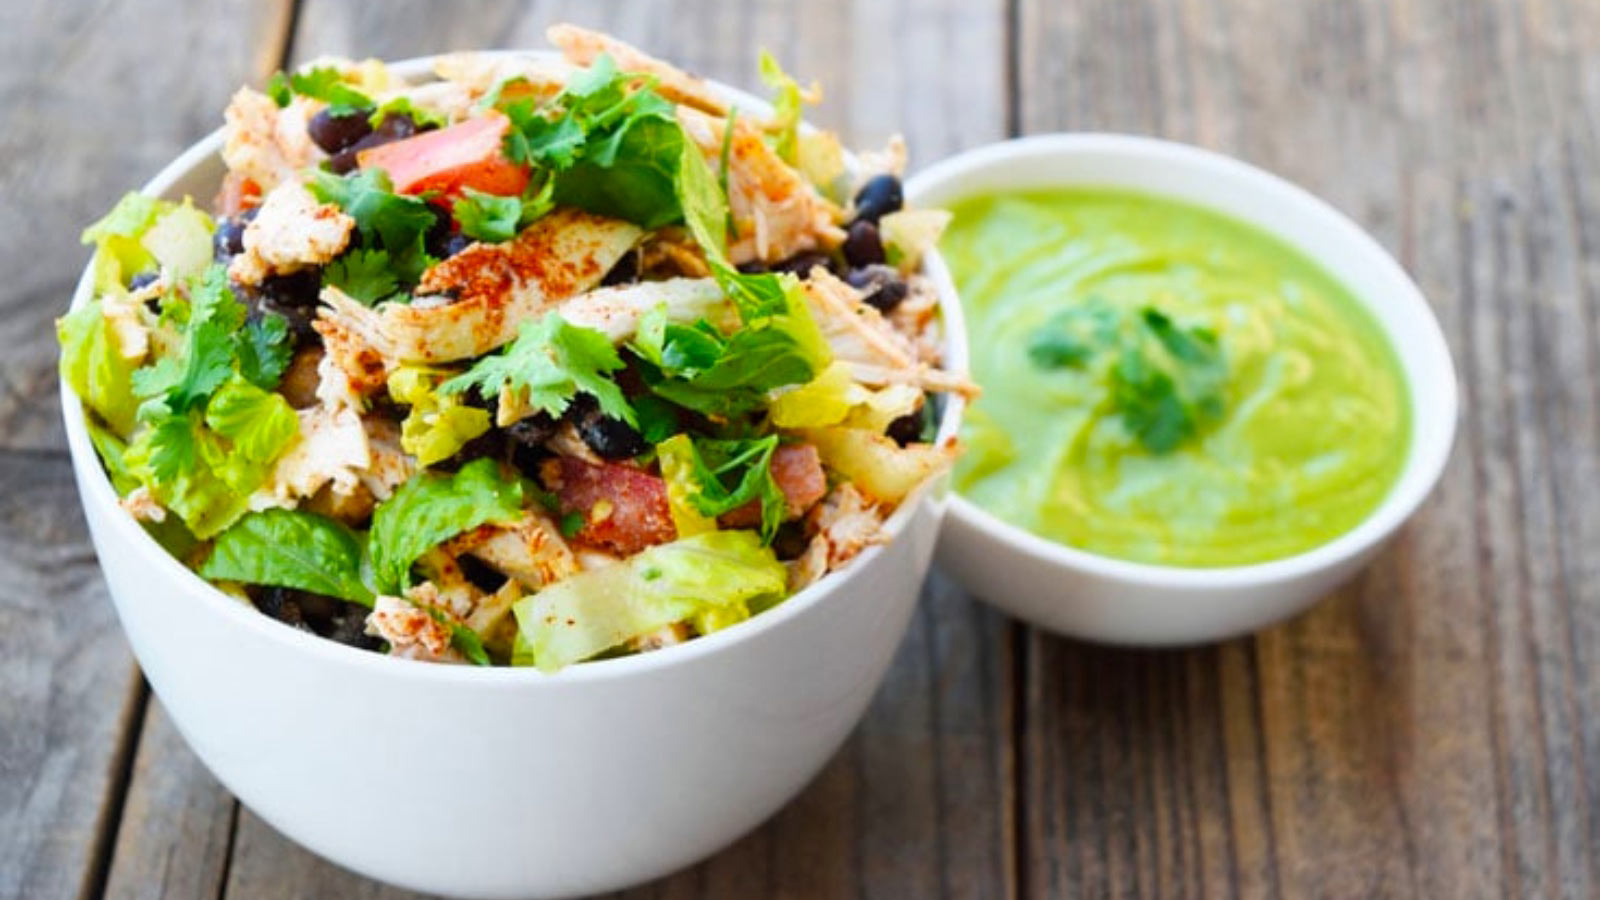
{"x": 540, "y": 361}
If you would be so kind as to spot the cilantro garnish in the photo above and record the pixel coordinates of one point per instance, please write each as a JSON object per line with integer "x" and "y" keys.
{"x": 728, "y": 474}
{"x": 488, "y": 217}
{"x": 388, "y": 221}
{"x": 264, "y": 350}
{"x": 571, "y": 524}
{"x": 1166, "y": 379}
{"x": 327, "y": 84}
{"x": 365, "y": 275}
{"x": 551, "y": 361}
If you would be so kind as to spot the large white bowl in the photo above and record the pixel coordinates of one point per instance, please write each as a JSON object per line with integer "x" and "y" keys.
{"x": 506, "y": 782}
{"x": 1085, "y": 595}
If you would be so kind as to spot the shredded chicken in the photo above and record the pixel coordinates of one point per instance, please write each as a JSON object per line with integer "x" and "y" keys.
{"x": 355, "y": 364}
{"x": 142, "y": 505}
{"x": 890, "y": 160}
{"x": 676, "y": 633}
{"x": 265, "y": 144}
{"x": 532, "y": 551}
{"x": 496, "y": 287}
{"x": 567, "y": 442}
{"x": 391, "y": 466}
{"x": 616, "y": 311}
{"x": 292, "y": 231}
{"x": 776, "y": 212}
{"x": 861, "y": 337}
{"x": 846, "y": 523}
{"x": 411, "y": 632}
{"x": 331, "y": 449}
{"x": 582, "y": 46}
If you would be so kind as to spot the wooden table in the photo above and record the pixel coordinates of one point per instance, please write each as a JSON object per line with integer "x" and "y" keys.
{"x": 1431, "y": 730}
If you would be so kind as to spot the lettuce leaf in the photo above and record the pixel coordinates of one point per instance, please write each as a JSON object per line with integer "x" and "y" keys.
{"x": 434, "y": 507}
{"x": 698, "y": 576}
{"x": 438, "y": 424}
{"x": 785, "y": 108}
{"x": 119, "y": 255}
{"x": 94, "y": 365}
{"x": 291, "y": 549}
{"x": 715, "y": 477}
{"x": 180, "y": 240}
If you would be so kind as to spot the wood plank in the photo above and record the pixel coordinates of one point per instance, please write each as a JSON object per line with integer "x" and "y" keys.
{"x": 1428, "y": 730}
{"x": 920, "y": 796}
{"x": 95, "y": 105}
{"x": 75, "y": 132}
{"x": 177, "y": 821}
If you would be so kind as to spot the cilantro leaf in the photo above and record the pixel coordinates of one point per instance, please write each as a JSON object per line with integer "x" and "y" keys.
{"x": 488, "y": 217}
{"x": 385, "y": 220}
{"x": 725, "y": 475}
{"x": 365, "y": 275}
{"x": 291, "y": 549}
{"x": 264, "y": 350}
{"x": 551, "y": 361}
{"x": 327, "y": 84}
{"x": 1071, "y": 337}
{"x": 432, "y": 507}
{"x": 207, "y": 349}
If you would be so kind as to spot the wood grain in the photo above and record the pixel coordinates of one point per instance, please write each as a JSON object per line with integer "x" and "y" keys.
{"x": 1429, "y": 730}
{"x": 90, "y": 110}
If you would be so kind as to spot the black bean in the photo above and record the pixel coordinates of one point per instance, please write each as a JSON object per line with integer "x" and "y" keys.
{"x": 863, "y": 246}
{"x": 350, "y": 629}
{"x": 228, "y": 240}
{"x": 392, "y": 128}
{"x": 791, "y": 540}
{"x": 300, "y": 288}
{"x": 439, "y": 233}
{"x": 802, "y": 263}
{"x": 334, "y": 133}
{"x": 626, "y": 271}
{"x": 142, "y": 280}
{"x": 281, "y": 604}
{"x": 532, "y": 431}
{"x": 878, "y": 197}
{"x": 881, "y": 286}
{"x": 483, "y": 576}
{"x": 907, "y": 429}
{"x": 753, "y": 267}
{"x": 609, "y": 438}
{"x": 491, "y": 443}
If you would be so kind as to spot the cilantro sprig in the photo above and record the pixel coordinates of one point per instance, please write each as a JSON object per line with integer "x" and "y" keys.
{"x": 550, "y": 362}
{"x": 1166, "y": 380}
{"x": 323, "y": 83}
{"x": 392, "y": 223}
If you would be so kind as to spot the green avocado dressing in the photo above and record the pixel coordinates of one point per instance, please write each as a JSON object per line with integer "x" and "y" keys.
{"x": 1164, "y": 384}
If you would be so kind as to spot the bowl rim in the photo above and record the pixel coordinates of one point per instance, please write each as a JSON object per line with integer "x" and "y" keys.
{"x": 101, "y": 502}
{"x": 1427, "y": 453}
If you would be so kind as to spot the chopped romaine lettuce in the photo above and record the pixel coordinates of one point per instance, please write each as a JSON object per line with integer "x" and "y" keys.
{"x": 291, "y": 549}
{"x": 786, "y": 111}
{"x": 712, "y": 477}
{"x": 94, "y": 364}
{"x": 180, "y": 240}
{"x": 875, "y": 463}
{"x": 698, "y": 576}
{"x": 438, "y": 424}
{"x": 118, "y": 254}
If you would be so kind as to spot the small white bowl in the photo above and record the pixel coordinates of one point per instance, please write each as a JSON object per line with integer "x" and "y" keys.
{"x": 506, "y": 782}
{"x": 1097, "y": 598}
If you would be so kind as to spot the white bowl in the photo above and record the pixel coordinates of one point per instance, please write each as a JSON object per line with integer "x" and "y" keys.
{"x": 1085, "y": 595}
{"x": 505, "y": 782}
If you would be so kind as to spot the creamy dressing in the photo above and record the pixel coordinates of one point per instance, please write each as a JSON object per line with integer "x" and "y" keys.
{"x": 1316, "y": 419}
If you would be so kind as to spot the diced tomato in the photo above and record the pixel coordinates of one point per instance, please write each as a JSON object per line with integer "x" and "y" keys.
{"x": 797, "y": 470}
{"x": 465, "y": 155}
{"x": 623, "y": 509}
